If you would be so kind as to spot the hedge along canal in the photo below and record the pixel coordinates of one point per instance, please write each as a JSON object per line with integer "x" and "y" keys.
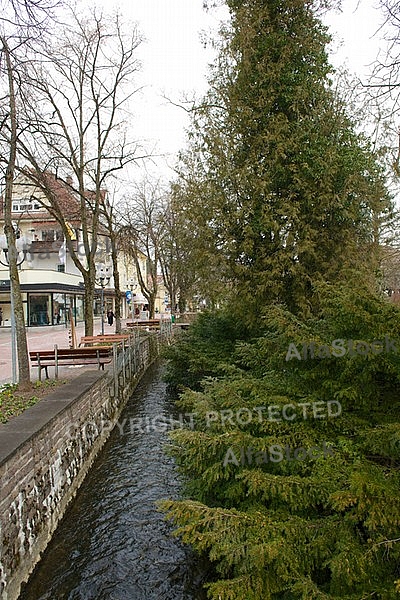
{"x": 112, "y": 542}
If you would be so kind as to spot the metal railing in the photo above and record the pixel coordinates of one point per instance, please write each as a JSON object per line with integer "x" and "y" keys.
{"x": 133, "y": 356}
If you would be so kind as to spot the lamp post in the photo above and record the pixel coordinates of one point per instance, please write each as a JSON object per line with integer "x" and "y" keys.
{"x": 20, "y": 243}
{"x": 103, "y": 276}
{"x": 131, "y": 285}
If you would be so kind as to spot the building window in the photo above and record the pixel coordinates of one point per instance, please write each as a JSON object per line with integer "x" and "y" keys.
{"x": 80, "y": 316}
{"x": 39, "y": 309}
{"x": 51, "y": 235}
{"x": 61, "y": 268}
{"x": 58, "y": 309}
{"x": 48, "y": 235}
{"x": 25, "y": 204}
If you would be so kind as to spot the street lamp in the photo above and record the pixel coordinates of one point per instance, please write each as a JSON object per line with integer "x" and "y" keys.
{"x": 20, "y": 244}
{"x": 103, "y": 276}
{"x": 131, "y": 285}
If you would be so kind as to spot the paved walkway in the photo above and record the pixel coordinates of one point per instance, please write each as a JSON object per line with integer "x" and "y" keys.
{"x": 44, "y": 338}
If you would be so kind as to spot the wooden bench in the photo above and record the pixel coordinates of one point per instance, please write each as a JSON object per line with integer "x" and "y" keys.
{"x": 152, "y": 323}
{"x": 182, "y": 325}
{"x": 104, "y": 340}
{"x": 42, "y": 359}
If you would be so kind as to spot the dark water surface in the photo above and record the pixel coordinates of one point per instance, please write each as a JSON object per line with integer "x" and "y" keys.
{"x": 112, "y": 543}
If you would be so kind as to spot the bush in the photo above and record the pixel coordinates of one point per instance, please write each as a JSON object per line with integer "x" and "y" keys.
{"x": 203, "y": 350}
{"x": 325, "y": 526}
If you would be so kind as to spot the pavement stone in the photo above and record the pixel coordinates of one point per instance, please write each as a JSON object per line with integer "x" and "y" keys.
{"x": 44, "y": 338}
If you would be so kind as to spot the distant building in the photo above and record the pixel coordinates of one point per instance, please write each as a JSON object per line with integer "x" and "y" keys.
{"x": 52, "y": 286}
{"x": 163, "y": 302}
{"x": 390, "y": 272}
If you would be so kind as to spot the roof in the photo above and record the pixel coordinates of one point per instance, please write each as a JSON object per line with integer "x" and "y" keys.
{"x": 33, "y": 189}
{"x": 37, "y": 186}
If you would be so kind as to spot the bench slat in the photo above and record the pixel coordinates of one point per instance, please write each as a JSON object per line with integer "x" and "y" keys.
{"x": 70, "y": 356}
{"x": 71, "y": 352}
{"x": 104, "y": 339}
{"x": 149, "y": 323}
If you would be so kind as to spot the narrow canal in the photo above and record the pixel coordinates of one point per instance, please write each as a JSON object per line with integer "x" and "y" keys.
{"x": 113, "y": 543}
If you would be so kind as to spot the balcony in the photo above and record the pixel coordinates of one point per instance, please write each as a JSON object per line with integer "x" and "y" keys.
{"x": 47, "y": 247}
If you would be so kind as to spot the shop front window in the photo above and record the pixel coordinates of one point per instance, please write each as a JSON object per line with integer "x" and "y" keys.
{"x": 39, "y": 309}
{"x": 70, "y": 308}
{"x": 58, "y": 309}
{"x": 97, "y": 305}
{"x": 79, "y": 308}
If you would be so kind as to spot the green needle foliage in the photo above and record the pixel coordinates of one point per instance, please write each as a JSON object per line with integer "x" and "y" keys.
{"x": 321, "y": 527}
{"x": 279, "y": 189}
{"x": 285, "y": 200}
{"x": 204, "y": 350}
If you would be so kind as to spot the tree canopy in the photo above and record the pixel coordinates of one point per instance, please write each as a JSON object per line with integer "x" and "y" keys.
{"x": 291, "y": 458}
{"x": 280, "y": 186}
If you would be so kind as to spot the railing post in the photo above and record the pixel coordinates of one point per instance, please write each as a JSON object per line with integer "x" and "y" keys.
{"x": 123, "y": 365}
{"x": 128, "y": 354}
{"x": 115, "y": 370}
{"x": 56, "y": 361}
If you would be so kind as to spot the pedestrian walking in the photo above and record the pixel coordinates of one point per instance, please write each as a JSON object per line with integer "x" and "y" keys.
{"x": 110, "y": 317}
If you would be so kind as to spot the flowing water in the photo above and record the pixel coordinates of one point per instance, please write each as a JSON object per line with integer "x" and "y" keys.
{"x": 113, "y": 544}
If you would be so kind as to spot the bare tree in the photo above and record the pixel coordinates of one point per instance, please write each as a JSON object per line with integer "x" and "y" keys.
{"x": 177, "y": 261}
{"x": 142, "y": 229}
{"x": 27, "y": 18}
{"x": 109, "y": 217}
{"x": 76, "y": 124}
{"x": 22, "y": 23}
{"x": 381, "y": 93}
{"x": 15, "y": 290}
{"x": 170, "y": 255}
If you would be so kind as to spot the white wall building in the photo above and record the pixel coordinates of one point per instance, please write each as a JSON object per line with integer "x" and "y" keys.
{"x": 51, "y": 284}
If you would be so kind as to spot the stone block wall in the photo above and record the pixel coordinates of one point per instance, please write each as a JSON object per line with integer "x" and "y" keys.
{"x": 45, "y": 454}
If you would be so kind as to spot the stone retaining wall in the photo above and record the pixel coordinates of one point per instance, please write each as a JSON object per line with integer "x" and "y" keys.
{"x": 45, "y": 454}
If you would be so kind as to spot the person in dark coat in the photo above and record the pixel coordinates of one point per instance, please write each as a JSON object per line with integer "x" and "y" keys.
{"x": 110, "y": 317}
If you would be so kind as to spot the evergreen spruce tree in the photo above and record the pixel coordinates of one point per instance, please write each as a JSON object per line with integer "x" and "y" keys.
{"x": 324, "y": 524}
{"x": 280, "y": 186}
{"x": 284, "y": 196}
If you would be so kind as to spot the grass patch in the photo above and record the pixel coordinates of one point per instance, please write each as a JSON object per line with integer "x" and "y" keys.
{"x": 13, "y": 401}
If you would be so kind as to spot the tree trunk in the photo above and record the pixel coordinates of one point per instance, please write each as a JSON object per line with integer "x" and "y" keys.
{"x": 182, "y": 303}
{"x": 18, "y": 308}
{"x": 15, "y": 290}
{"x": 152, "y": 302}
{"x": 117, "y": 287}
{"x": 118, "y": 302}
{"x": 172, "y": 298}
{"x": 88, "y": 279}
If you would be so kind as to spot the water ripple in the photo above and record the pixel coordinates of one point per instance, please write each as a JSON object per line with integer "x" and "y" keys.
{"x": 112, "y": 543}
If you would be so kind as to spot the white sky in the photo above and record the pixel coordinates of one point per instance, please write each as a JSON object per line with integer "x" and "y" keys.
{"x": 175, "y": 61}
{"x": 357, "y": 38}
{"x": 174, "y": 64}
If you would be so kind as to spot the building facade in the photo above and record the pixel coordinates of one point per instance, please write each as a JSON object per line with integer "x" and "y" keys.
{"x": 51, "y": 285}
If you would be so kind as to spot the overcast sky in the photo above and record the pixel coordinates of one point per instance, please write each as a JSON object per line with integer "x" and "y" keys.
{"x": 175, "y": 61}
{"x": 357, "y": 38}
{"x": 174, "y": 64}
